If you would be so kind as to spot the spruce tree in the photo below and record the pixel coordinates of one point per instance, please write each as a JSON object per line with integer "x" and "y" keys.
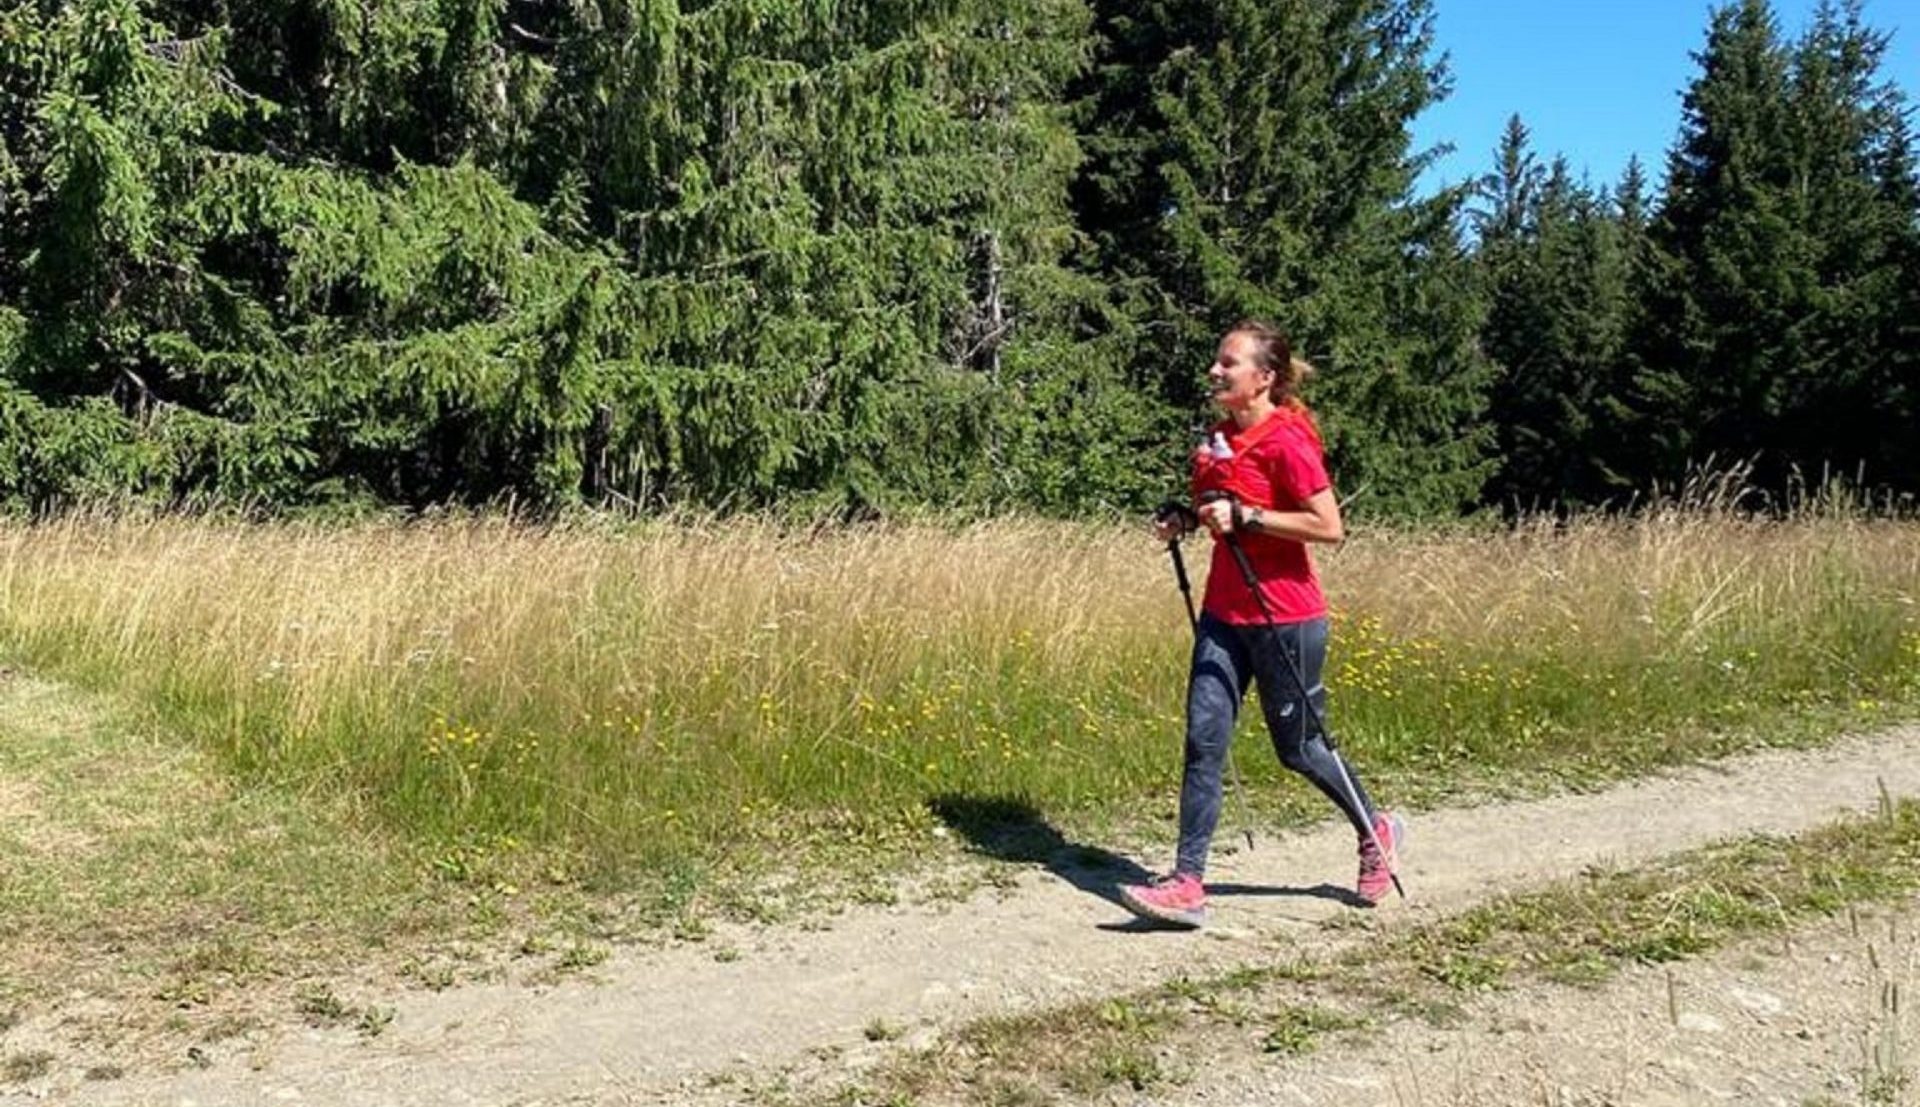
{"x": 866, "y": 223}
{"x": 1253, "y": 159}
{"x": 1556, "y": 271}
{"x": 1852, "y": 187}
{"x": 736, "y": 253}
{"x": 1779, "y": 255}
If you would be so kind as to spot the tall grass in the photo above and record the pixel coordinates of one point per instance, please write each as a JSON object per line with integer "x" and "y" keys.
{"x": 636, "y": 694}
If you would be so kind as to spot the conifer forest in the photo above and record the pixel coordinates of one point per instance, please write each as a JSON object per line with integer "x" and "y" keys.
{"x": 854, "y": 257}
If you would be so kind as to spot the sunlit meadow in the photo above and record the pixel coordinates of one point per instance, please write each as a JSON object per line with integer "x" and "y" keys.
{"x": 630, "y": 695}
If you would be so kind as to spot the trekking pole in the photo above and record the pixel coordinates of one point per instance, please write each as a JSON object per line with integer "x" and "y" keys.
{"x": 1172, "y": 512}
{"x": 1240, "y": 559}
{"x": 1167, "y": 512}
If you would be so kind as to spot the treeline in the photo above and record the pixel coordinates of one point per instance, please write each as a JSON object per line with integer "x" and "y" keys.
{"x": 864, "y": 254}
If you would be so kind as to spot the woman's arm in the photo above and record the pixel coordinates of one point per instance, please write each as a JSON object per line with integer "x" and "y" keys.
{"x": 1318, "y": 520}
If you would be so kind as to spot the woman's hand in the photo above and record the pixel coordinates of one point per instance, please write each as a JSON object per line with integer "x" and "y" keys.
{"x": 1172, "y": 520}
{"x": 1217, "y": 515}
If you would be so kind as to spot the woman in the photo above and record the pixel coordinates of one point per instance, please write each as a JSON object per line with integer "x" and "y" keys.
{"x": 1266, "y": 457}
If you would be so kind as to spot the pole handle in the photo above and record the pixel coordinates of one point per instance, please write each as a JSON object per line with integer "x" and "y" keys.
{"x": 1175, "y": 511}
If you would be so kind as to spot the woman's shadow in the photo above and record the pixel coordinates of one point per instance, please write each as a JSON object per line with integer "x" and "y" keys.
{"x": 1010, "y": 828}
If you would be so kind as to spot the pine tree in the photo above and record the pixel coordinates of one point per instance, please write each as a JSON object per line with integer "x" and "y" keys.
{"x": 867, "y": 216}
{"x": 1715, "y": 232}
{"x": 1894, "y": 392}
{"x": 1556, "y": 265}
{"x": 1509, "y": 191}
{"x": 1623, "y": 450}
{"x": 1852, "y": 188}
{"x": 1252, "y": 159}
{"x": 1778, "y": 253}
{"x": 734, "y": 253}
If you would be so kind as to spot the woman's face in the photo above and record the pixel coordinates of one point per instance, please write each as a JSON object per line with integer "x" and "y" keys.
{"x": 1236, "y": 377}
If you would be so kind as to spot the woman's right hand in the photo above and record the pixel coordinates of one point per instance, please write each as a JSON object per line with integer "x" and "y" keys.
{"x": 1171, "y": 520}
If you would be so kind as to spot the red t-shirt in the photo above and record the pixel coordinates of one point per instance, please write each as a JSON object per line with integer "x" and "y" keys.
{"x": 1277, "y": 463}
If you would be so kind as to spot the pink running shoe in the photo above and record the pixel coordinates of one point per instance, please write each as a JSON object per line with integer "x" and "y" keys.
{"x": 1376, "y": 872}
{"x": 1178, "y": 899}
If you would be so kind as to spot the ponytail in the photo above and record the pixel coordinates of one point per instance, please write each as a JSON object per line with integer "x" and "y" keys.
{"x": 1275, "y": 355}
{"x": 1286, "y": 386}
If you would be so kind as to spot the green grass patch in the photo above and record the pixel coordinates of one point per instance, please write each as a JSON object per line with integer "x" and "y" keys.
{"x": 136, "y": 870}
{"x": 1295, "y": 1030}
{"x": 639, "y": 709}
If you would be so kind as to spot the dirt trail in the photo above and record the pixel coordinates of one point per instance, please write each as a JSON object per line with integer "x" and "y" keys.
{"x": 657, "y": 1021}
{"x": 1784, "y": 1023}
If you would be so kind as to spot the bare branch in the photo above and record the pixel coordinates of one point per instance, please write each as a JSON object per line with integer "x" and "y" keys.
{"x": 529, "y": 37}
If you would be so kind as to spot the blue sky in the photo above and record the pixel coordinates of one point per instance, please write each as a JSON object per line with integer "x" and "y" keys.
{"x": 1595, "y": 80}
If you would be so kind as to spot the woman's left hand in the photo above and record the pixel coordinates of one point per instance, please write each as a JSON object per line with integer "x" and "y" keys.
{"x": 1217, "y": 516}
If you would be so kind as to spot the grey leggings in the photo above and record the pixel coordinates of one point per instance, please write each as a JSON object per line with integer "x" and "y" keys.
{"x": 1225, "y": 658}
